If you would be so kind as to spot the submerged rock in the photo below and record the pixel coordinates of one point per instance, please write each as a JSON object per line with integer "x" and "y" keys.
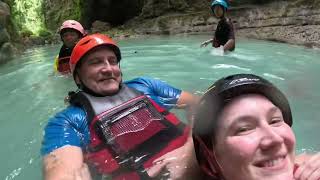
{"x": 6, "y": 52}
{"x": 4, "y": 36}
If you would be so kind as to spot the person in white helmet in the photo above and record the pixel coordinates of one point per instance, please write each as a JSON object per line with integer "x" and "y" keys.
{"x": 71, "y": 32}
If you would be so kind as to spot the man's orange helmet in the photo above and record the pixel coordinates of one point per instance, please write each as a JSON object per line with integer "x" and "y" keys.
{"x": 89, "y": 42}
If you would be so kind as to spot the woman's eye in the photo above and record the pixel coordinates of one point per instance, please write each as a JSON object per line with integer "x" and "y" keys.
{"x": 244, "y": 130}
{"x": 276, "y": 121}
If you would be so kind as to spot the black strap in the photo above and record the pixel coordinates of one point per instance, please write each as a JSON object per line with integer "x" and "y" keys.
{"x": 165, "y": 113}
{"x": 80, "y": 100}
{"x": 148, "y": 148}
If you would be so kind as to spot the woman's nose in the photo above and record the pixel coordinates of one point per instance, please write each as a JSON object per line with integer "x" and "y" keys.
{"x": 270, "y": 138}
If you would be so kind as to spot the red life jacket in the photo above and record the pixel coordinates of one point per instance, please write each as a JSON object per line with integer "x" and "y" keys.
{"x": 128, "y": 131}
{"x": 63, "y": 65}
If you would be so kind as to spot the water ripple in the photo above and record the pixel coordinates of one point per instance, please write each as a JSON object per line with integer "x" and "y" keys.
{"x": 13, "y": 174}
{"x": 229, "y": 66}
{"x": 273, "y": 76}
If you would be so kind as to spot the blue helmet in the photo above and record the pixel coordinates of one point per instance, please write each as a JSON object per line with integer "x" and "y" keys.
{"x": 223, "y": 3}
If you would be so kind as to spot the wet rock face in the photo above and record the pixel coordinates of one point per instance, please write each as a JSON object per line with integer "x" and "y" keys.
{"x": 256, "y": 2}
{"x": 100, "y": 26}
{"x": 6, "y": 48}
{"x": 6, "y": 52}
{"x": 155, "y": 8}
{"x": 115, "y": 12}
{"x": 4, "y": 14}
{"x": 291, "y": 22}
{"x": 4, "y": 36}
{"x": 118, "y": 12}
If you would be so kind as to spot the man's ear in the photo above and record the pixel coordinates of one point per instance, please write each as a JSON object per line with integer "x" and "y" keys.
{"x": 76, "y": 78}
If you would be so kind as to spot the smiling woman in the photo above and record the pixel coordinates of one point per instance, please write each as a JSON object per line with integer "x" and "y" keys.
{"x": 245, "y": 120}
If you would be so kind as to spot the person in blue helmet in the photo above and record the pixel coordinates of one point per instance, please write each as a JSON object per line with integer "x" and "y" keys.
{"x": 121, "y": 130}
{"x": 224, "y": 34}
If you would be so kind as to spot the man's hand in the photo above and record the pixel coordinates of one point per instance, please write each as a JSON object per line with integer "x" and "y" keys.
{"x": 188, "y": 102}
{"x": 177, "y": 164}
{"x": 205, "y": 43}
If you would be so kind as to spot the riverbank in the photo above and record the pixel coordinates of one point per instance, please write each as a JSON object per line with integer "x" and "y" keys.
{"x": 282, "y": 21}
{"x": 292, "y": 21}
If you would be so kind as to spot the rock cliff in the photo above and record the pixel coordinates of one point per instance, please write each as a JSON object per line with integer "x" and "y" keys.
{"x": 291, "y": 21}
{"x": 7, "y": 33}
{"x": 296, "y": 22}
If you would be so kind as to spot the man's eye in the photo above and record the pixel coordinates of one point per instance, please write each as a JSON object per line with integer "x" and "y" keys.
{"x": 113, "y": 61}
{"x": 94, "y": 61}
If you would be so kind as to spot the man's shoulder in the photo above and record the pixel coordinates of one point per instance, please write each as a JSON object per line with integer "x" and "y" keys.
{"x": 229, "y": 21}
{"x": 70, "y": 113}
{"x": 147, "y": 84}
{"x": 141, "y": 81}
{"x": 225, "y": 20}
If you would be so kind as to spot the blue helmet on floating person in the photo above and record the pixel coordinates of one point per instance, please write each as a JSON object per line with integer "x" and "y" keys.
{"x": 223, "y": 3}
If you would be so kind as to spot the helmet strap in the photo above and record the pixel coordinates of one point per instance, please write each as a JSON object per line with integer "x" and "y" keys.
{"x": 84, "y": 88}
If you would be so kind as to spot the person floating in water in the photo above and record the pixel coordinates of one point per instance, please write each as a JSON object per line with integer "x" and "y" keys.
{"x": 224, "y": 34}
{"x": 122, "y": 130}
{"x": 71, "y": 32}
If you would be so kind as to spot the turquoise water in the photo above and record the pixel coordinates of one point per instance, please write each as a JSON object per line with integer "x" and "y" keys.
{"x": 31, "y": 93}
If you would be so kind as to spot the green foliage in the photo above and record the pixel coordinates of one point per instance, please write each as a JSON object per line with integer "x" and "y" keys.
{"x": 26, "y": 33}
{"x": 44, "y": 33}
{"x": 56, "y": 12}
{"x": 27, "y": 15}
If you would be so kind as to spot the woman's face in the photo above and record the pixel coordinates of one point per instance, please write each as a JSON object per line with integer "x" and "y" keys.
{"x": 253, "y": 142}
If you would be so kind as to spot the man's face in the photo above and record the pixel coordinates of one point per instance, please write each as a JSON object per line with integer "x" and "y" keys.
{"x": 100, "y": 71}
{"x": 70, "y": 38}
